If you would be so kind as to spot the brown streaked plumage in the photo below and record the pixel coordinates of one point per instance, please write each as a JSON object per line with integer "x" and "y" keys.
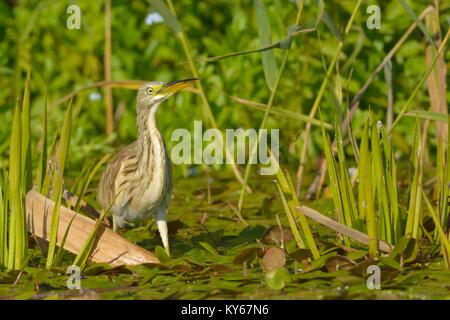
{"x": 137, "y": 182}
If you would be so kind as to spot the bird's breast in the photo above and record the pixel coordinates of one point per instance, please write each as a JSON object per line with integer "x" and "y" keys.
{"x": 154, "y": 180}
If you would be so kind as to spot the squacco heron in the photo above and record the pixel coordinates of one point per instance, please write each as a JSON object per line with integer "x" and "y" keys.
{"x": 137, "y": 182}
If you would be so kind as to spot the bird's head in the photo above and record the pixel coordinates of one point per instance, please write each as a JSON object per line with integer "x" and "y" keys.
{"x": 153, "y": 93}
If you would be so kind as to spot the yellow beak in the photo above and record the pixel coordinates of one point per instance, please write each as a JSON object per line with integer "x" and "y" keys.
{"x": 171, "y": 87}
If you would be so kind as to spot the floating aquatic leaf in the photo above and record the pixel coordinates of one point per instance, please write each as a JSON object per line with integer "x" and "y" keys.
{"x": 390, "y": 263}
{"x": 175, "y": 226}
{"x": 278, "y": 278}
{"x": 247, "y": 255}
{"x": 96, "y": 268}
{"x": 208, "y": 247}
{"x": 400, "y": 247}
{"x": 161, "y": 254}
{"x": 181, "y": 267}
{"x": 360, "y": 269}
{"x": 215, "y": 190}
{"x": 276, "y": 235}
{"x": 250, "y": 234}
{"x": 221, "y": 268}
{"x": 273, "y": 258}
{"x": 266, "y": 210}
{"x": 339, "y": 263}
{"x": 301, "y": 255}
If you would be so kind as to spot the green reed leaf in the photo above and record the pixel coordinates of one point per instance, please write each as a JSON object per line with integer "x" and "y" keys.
{"x": 418, "y": 22}
{"x": 442, "y": 236}
{"x": 333, "y": 176}
{"x": 58, "y": 182}
{"x": 288, "y": 189}
{"x": 332, "y": 26}
{"x": 365, "y": 191}
{"x": 428, "y": 115}
{"x": 3, "y": 229}
{"x": 290, "y": 217}
{"x": 60, "y": 252}
{"x": 265, "y": 38}
{"x": 89, "y": 178}
{"x": 391, "y": 185}
{"x": 348, "y": 199}
{"x": 169, "y": 18}
{"x": 64, "y": 142}
{"x": 320, "y": 12}
{"x": 385, "y": 225}
{"x": 54, "y": 228}
{"x": 415, "y": 195}
{"x": 443, "y": 197}
{"x": 18, "y": 240}
{"x": 43, "y": 156}
{"x": 83, "y": 256}
{"x": 26, "y": 138}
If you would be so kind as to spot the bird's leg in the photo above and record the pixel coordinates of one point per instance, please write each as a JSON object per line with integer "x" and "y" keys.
{"x": 115, "y": 227}
{"x": 119, "y": 222}
{"x": 161, "y": 221}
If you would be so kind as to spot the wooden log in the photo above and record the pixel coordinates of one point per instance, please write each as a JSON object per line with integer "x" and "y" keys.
{"x": 110, "y": 247}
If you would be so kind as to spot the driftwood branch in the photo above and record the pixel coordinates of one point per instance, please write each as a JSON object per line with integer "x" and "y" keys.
{"x": 110, "y": 247}
{"x": 336, "y": 226}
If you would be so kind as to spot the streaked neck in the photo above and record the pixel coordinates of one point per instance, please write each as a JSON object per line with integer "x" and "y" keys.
{"x": 149, "y": 135}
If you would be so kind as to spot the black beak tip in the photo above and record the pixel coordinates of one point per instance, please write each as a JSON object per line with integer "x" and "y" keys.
{"x": 178, "y": 81}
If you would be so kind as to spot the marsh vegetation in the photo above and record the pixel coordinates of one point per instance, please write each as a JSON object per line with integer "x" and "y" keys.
{"x": 363, "y": 120}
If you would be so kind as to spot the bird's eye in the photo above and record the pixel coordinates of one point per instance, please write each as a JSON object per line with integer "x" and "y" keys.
{"x": 150, "y": 91}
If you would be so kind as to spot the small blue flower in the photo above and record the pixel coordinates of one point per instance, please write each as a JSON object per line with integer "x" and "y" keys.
{"x": 153, "y": 18}
{"x": 95, "y": 96}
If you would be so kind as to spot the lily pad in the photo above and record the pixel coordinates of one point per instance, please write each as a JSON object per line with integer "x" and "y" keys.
{"x": 276, "y": 235}
{"x": 247, "y": 255}
{"x": 273, "y": 258}
{"x": 278, "y": 278}
{"x": 339, "y": 263}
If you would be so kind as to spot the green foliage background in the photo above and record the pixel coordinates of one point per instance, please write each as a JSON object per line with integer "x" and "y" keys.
{"x": 210, "y": 258}
{"x": 33, "y": 35}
